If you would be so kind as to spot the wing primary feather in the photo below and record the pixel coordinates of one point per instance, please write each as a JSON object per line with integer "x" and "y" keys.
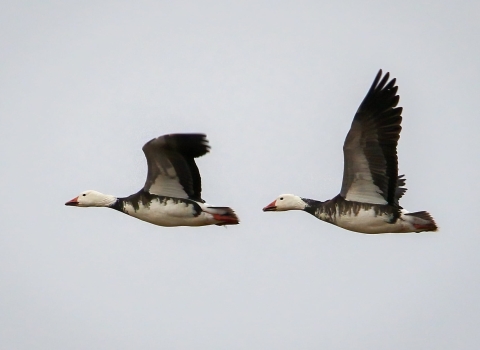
{"x": 401, "y": 181}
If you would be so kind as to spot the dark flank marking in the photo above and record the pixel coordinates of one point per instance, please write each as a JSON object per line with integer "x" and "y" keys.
{"x": 146, "y": 198}
{"x": 340, "y": 206}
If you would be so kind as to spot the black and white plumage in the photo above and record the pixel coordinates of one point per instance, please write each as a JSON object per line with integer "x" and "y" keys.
{"x": 371, "y": 188}
{"x": 171, "y": 195}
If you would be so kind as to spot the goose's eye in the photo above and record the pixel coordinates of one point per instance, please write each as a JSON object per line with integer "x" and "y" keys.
{"x": 281, "y": 198}
{"x": 84, "y": 194}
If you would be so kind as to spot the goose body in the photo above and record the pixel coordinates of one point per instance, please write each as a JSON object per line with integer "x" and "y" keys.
{"x": 371, "y": 188}
{"x": 172, "y": 192}
{"x": 367, "y": 217}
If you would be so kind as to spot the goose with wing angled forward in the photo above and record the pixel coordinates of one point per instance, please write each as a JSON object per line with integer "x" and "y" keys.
{"x": 172, "y": 193}
{"x": 371, "y": 189}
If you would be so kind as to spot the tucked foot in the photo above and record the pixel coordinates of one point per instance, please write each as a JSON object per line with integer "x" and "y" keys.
{"x": 422, "y": 221}
{"x": 226, "y": 219}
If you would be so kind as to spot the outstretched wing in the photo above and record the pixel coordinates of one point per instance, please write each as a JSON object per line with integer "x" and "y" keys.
{"x": 171, "y": 166}
{"x": 370, "y": 172}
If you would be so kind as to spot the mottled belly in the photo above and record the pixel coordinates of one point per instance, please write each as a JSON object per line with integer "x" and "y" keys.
{"x": 368, "y": 222}
{"x": 167, "y": 214}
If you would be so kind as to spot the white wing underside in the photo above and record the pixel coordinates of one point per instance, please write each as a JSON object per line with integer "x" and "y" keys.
{"x": 168, "y": 186}
{"x": 167, "y": 182}
{"x": 362, "y": 189}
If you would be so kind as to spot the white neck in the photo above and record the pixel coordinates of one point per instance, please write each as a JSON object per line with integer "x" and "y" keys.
{"x": 106, "y": 200}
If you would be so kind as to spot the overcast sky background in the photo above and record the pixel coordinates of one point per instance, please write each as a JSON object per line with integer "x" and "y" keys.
{"x": 274, "y": 85}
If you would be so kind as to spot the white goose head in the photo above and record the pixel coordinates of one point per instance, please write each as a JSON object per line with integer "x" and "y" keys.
{"x": 286, "y": 202}
{"x": 92, "y": 198}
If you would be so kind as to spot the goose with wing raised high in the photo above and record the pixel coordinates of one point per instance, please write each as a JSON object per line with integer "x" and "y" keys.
{"x": 371, "y": 189}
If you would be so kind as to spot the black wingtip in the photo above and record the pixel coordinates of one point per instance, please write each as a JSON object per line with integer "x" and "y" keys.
{"x": 190, "y": 145}
{"x": 193, "y": 145}
{"x": 376, "y": 80}
{"x": 382, "y": 94}
{"x": 380, "y": 82}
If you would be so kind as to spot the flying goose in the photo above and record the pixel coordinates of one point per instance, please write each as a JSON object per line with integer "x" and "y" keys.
{"x": 371, "y": 187}
{"x": 172, "y": 192}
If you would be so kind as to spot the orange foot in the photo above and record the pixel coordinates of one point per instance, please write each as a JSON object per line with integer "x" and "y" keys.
{"x": 225, "y": 219}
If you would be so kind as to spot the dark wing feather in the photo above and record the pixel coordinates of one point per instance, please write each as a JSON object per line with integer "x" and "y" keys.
{"x": 370, "y": 150}
{"x": 171, "y": 166}
{"x": 401, "y": 181}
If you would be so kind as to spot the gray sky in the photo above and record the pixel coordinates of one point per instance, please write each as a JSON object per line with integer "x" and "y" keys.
{"x": 274, "y": 85}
